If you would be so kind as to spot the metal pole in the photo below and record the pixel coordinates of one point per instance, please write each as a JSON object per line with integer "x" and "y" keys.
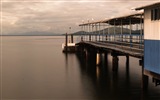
{"x": 92, "y": 33}
{"x": 121, "y": 31}
{"x": 96, "y": 32}
{"x": 114, "y": 30}
{"x": 72, "y": 41}
{"x": 84, "y": 32}
{"x": 66, "y": 47}
{"x": 89, "y": 33}
{"x": 103, "y": 31}
{"x": 88, "y": 30}
{"x": 81, "y": 34}
{"x": 130, "y": 31}
{"x": 70, "y": 34}
{"x": 108, "y": 31}
{"x": 141, "y": 32}
{"x": 137, "y": 35}
{"x": 99, "y": 31}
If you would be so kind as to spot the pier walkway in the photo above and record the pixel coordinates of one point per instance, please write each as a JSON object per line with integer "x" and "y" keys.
{"x": 123, "y": 35}
{"x": 136, "y": 50}
{"x": 120, "y": 36}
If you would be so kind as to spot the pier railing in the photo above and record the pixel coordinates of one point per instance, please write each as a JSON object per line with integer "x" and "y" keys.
{"x": 124, "y": 32}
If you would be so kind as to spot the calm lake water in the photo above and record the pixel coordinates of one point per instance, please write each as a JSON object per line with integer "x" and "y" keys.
{"x": 34, "y": 67}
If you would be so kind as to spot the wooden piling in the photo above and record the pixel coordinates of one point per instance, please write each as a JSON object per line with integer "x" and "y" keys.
{"x": 145, "y": 78}
{"x": 115, "y": 63}
{"x": 144, "y": 82}
{"x": 127, "y": 62}
{"x": 98, "y": 59}
{"x": 106, "y": 56}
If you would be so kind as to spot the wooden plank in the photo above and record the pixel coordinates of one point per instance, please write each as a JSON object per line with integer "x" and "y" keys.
{"x": 135, "y": 52}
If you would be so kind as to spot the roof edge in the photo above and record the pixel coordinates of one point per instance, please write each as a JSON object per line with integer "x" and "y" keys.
{"x": 146, "y": 6}
{"x": 106, "y": 20}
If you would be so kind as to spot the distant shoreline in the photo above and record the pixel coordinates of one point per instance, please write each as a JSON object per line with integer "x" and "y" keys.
{"x": 32, "y": 35}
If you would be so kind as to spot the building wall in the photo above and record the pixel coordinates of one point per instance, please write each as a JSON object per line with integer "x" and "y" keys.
{"x": 152, "y": 28}
{"x": 151, "y": 43}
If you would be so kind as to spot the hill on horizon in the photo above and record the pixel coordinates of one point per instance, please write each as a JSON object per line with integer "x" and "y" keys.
{"x": 34, "y": 33}
{"x": 111, "y": 31}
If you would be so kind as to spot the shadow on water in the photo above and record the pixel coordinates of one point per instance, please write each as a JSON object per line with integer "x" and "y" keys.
{"x": 109, "y": 85}
{"x": 35, "y": 68}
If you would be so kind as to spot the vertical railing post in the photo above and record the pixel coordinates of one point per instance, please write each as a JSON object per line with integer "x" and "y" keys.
{"x": 141, "y": 32}
{"x": 137, "y": 40}
{"x": 130, "y": 23}
{"x": 121, "y": 38}
{"x": 72, "y": 41}
{"x": 92, "y": 32}
{"x": 88, "y": 31}
{"x": 96, "y": 32}
{"x": 108, "y": 31}
{"x": 93, "y": 37}
{"x": 114, "y": 30}
{"x": 81, "y": 33}
{"x": 121, "y": 30}
{"x": 99, "y": 31}
{"x": 84, "y": 33}
{"x": 103, "y": 32}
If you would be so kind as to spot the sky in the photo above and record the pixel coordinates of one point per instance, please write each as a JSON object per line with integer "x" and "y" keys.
{"x": 56, "y": 16}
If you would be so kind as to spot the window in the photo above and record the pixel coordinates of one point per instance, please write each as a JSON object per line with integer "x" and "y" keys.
{"x": 159, "y": 13}
{"x": 155, "y": 14}
{"x": 152, "y": 14}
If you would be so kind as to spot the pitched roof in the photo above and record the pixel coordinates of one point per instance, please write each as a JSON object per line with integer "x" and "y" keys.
{"x": 124, "y": 20}
{"x": 150, "y": 5}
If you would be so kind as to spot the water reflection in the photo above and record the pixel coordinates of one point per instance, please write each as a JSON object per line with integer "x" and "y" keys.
{"x": 36, "y": 68}
{"x": 113, "y": 86}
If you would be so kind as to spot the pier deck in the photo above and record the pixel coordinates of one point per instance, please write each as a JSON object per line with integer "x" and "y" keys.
{"x": 121, "y": 36}
{"x": 135, "y": 50}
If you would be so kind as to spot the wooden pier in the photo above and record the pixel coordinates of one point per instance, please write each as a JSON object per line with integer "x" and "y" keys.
{"x": 119, "y": 47}
{"x": 69, "y": 46}
{"x": 124, "y": 36}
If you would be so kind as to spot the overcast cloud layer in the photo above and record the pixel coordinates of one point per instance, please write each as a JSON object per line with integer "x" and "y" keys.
{"x": 56, "y": 16}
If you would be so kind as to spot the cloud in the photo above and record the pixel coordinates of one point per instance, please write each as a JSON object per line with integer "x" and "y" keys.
{"x": 56, "y": 16}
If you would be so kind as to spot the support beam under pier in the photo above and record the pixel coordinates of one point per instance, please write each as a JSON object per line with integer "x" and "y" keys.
{"x": 115, "y": 60}
{"x": 144, "y": 82}
{"x": 98, "y": 58}
{"x": 115, "y": 63}
{"x": 127, "y": 62}
{"x": 145, "y": 78}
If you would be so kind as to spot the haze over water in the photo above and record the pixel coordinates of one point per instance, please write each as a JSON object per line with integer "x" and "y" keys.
{"x": 34, "y": 67}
